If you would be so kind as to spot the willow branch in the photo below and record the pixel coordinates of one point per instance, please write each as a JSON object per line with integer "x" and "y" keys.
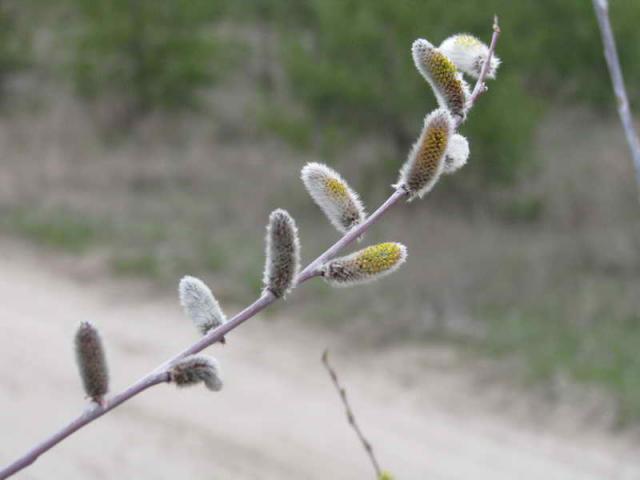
{"x": 601, "y": 8}
{"x": 480, "y": 86}
{"x": 160, "y": 374}
{"x": 351, "y": 418}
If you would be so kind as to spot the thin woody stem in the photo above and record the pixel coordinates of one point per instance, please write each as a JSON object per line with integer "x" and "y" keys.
{"x": 161, "y": 375}
{"x": 351, "y": 418}
{"x": 601, "y": 8}
{"x": 480, "y": 86}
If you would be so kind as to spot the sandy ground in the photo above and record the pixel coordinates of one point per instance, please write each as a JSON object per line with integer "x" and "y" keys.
{"x": 278, "y": 416}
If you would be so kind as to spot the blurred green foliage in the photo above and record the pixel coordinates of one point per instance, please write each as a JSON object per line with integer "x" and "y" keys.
{"x": 14, "y": 44}
{"x": 295, "y": 129}
{"x": 602, "y": 352}
{"x": 55, "y": 228}
{"x": 522, "y": 209}
{"x": 348, "y": 61}
{"x": 154, "y": 54}
{"x": 143, "y": 265}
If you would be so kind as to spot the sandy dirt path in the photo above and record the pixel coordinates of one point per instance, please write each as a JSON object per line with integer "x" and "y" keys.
{"x": 277, "y": 417}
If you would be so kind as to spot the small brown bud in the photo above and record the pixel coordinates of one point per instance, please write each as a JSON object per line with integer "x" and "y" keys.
{"x": 91, "y": 360}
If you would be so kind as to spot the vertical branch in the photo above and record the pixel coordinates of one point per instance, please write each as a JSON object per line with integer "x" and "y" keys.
{"x": 350, "y": 416}
{"x": 601, "y": 8}
{"x": 480, "y": 87}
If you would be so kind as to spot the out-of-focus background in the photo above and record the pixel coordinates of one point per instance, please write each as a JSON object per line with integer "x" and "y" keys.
{"x": 142, "y": 140}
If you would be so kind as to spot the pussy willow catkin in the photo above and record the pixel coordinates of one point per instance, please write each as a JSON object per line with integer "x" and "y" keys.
{"x": 282, "y": 253}
{"x": 469, "y": 54}
{"x": 200, "y": 305}
{"x": 332, "y": 194}
{"x": 197, "y": 369}
{"x": 92, "y": 363}
{"x": 447, "y": 83}
{"x": 365, "y": 265}
{"x": 425, "y": 162}
{"x": 456, "y": 155}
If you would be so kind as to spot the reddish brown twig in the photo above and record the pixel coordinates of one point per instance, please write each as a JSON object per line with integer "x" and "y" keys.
{"x": 351, "y": 418}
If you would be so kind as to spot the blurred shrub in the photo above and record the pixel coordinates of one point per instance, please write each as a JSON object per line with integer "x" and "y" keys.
{"x": 294, "y": 129}
{"x": 14, "y": 44}
{"x": 348, "y": 61}
{"x": 523, "y": 209}
{"x": 154, "y": 54}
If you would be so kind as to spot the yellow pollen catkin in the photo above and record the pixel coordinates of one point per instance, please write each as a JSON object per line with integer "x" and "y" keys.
{"x": 365, "y": 265}
{"x": 445, "y": 75}
{"x": 425, "y": 163}
{"x": 336, "y": 188}
{"x": 442, "y": 75}
{"x": 378, "y": 258}
{"x": 332, "y": 194}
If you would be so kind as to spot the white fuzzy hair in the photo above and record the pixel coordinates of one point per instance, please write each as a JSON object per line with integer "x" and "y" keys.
{"x": 194, "y": 369}
{"x": 200, "y": 305}
{"x": 282, "y": 262}
{"x": 469, "y": 54}
{"x": 421, "y": 47}
{"x": 457, "y": 154}
{"x": 343, "y": 212}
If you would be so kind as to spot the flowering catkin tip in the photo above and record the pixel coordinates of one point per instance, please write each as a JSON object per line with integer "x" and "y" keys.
{"x": 282, "y": 253}
{"x": 200, "y": 305}
{"x": 469, "y": 54}
{"x": 195, "y": 369}
{"x": 365, "y": 265}
{"x": 440, "y": 72}
{"x": 91, "y": 360}
{"x": 457, "y": 154}
{"x": 425, "y": 162}
{"x": 332, "y": 194}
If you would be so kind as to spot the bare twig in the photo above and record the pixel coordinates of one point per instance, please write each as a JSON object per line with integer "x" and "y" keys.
{"x": 480, "y": 87}
{"x": 351, "y": 418}
{"x": 601, "y": 8}
{"x": 161, "y": 375}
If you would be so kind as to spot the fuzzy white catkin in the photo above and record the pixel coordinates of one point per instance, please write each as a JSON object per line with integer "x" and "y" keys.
{"x": 457, "y": 154}
{"x": 440, "y": 72}
{"x": 332, "y": 194}
{"x": 200, "y": 305}
{"x": 425, "y": 162}
{"x": 195, "y": 369}
{"x": 282, "y": 253}
{"x": 469, "y": 54}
